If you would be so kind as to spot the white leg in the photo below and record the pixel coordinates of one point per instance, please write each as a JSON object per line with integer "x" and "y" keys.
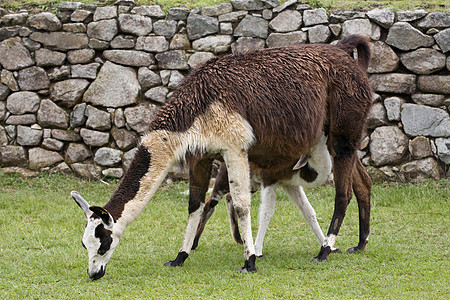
{"x": 297, "y": 195}
{"x": 191, "y": 229}
{"x": 266, "y": 211}
{"x": 239, "y": 181}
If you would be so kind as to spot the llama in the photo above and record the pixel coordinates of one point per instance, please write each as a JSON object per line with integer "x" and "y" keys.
{"x": 310, "y": 171}
{"x": 263, "y": 107}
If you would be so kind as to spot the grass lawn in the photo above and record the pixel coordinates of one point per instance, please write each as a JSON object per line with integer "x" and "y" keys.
{"x": 41, "y": 254}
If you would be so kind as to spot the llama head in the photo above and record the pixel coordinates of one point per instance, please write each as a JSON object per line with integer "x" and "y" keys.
{"x": 101, "y": 236}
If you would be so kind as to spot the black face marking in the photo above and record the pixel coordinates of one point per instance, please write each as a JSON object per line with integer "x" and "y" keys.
{"x": 84, "y": 246}
{"x": 104, "y": 235}
{"x": 308, "y": 173}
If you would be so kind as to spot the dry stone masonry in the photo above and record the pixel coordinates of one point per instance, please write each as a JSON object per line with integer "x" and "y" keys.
{"x": 79, "y": 87}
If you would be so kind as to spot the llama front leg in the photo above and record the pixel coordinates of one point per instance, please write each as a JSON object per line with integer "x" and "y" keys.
{"x": 266, "y": 211}
{"x": 199, "y": 176}
{"x": 239, "y": 181}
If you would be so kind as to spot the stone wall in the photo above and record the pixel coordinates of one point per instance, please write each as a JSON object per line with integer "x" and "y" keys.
{"x": 79, "y": 87}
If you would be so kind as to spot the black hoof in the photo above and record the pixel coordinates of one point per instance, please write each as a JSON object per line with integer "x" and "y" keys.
{"x": 354, "y": 250}
{"x": 249, "y": 265}
{"x": 260, "y": 256}
{"x": 172, "y": 263}
{"x": 178, "y": 262}
{"x": 323, "y": 254}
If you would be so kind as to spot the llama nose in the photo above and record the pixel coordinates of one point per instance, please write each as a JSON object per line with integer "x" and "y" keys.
{"x": 99, "y": 274}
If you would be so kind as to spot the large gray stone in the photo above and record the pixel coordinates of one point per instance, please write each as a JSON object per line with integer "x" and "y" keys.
{"x": 88, "y": 71}
{"x": 61, "y": 40}
{"x": 286, "y": 21}
{"x": 361, "y": 26}
{"x": 135, "y": 24}
{"x": 81, "y": 56}
{"x": 315, "y": 16}
{"x": 4, "y": 92}
{"x": 2, "y": 110}
{"x": 383, "y": 59}
{"x": 420, "y": 170}
{"x": 45, "y": 21}
{"x": 148, "y": 10}
{"x": 14, "y": 55}
{"x": 423, "y": 61}
{"x": 180, "y": 41}
{"x": 115, "y": 86}
{"x": 49, "y": 58}
{"x": 76, "y": 152}
{"x": 123, "y": 42}
{"x": 214, "y": 11}
{"x": 52, "y": 144}
{"x": 157, "y": 94}
{"x": 215, "y": 44}
{"x": 97, "y": 119}
{"x": 437, "y": 19}
{"x": 7, "y": 78}
{"x": 393, "y": 83}
{"x": 104, "y": 30}
{"x": 443, "y": 40}
{"x": 443, "y": 149}
{"x": 51, "y": 115}
{"x": 113, "y": 172}
{"x": 108, "y": 157}
{"x": 3, "y": 137}
{"x": 376, "y": 116}
{"x": 251, "y": 4}
{"x": 14, "y": 19}
{"x": 178, "y": 13}
{"x": 40, "y": 158}
{"x": 87, "y": 170}
{"x": 26, "y": 119}
{"x": 69, "y": 92}
{"x": 22, "y": 102}
{"x": 382, "y": 16}
{"x": 199, "y": 58}
{"x": 94, "y": 138}
{"x": 12, "y": 156}
{"x": 147, "y": 78}
{"x": 319, "y": 34}
{"x": 129, "y": 57}
{"x": 410, "y": 15}
{"x": 199, "y": 26}
{"x": 232, "y": 16}
{"x": 439, "y": 84}
{"x": 388, "y": 145}
{"x": 125, "y": 139}
{"x": 404, "y": 36}
{"x": 165, "y": 28}
{"x": 252, "y": 26}
{"x": 33, "y": 78}
{"x": 428, "y": 99}
{"x": 423, "y": 120}
{"x": 138, "y": 118}
{"x": 420, "y": 147}
{"x": 286, "y": 39}
{"x": 152, "y": 44}
{"x": 105, "y": 12}
{"x": 172, "y": 60}
{"x": 393, "y": 107}
{"x": 27, "y": 136}
{"x": 65, "y": 135}
{"x": 77, "y": 116}
{"x": 244, "y": 44}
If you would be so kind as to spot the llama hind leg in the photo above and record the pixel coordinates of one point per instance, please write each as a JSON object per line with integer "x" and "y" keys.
{"x": 266, "y": 212}
{"x": 199, "y": 176}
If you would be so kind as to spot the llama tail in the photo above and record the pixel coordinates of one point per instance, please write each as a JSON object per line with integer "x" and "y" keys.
{"x": 361, "y": 43}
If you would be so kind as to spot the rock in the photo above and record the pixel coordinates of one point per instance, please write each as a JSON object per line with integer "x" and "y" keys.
{"x": 250, "y": 4}
{"x": 21, "y": 171}
{"x": 12, "y": 156}
{"x": 22, "y": 102}
{"x": 56, "y": 74}
{"x": 319, "y": 34}
{"x": 165, "y": 28}
{"x": 148, "y": 10}
{"x": 3, "y": 137}
{"x": 393, "y": 83}
{"x": 157, "y": 94}
{"x": 76, "y": 153}
{"x": 14, "y": 19}
{"x": 94, "y": 138}
{"x": 388, "y": 145}
{"x": 383, "y": 59}
{"x": 443, "y": 149}
{"x": 135, "y": 24}
{"x": 113, "y": 172}
{"x": 423, "y": 120}
{"x": 175, "y": 79}
{"x": 199, "y": 26}
{"x": 68, "y": 93}
{"x": 52, "y": 144}
{"x": 27, "y": 136}
{"x": 45, "y": 21}
{"x": 26, "y": 119}
{"x": 382, "y": 16}
{"x": 420, "y": 170}
{"x": 77, "y": 116}
{"x": 438, "y": 19}
{"x": 335, "y": 29}
{"x": 32, "y": 79}
{"x": 226, "y": 28}
{"x": 115, "y": 86}
{"x": 286, "y": 39}
{"x": 428, "y": 99}
{"x": 286, "y": 21}
{"x": 48, "y": 58}
{"x": 405, "y": 37}
{"x": 180, "y": 41}
{"x": 97, "y": 119}
{"x": 2, "y": 110}
{"x": 215, "y": 44}
{"x": 123, "y": 42}
{"x": 66, "y": 135}
{"x": 423, "y": 61}
{"x": 108, "y": 157}
{"x": 125, "y": 139}
{"x": 232, "y": 16}
{"x": 147, "y": 78}
{"x": 40, "y": 158}
{"x": 87, "y": 170}
{"x": 51, "y": 115}
{"x": 82, "y": 56}
{"x": 88, "y": 71}
{"x": 178, "y": 13}
{"x": 393, "y": 106}
{"x": 8, "y": 79}
{"x": 139, "y": 117}
{"x": 61, "y": 40}
{"x": 376, "y": 116}
{"x": 361, "y": 26}
{"x": 119, "y": 118}
{"x": 129, "y": 57}
{"x": 152, "y": 44}
{"x": 98, "y": 45}
{"x": 172, "y": 60}
{"x": 104, "y": 30}
{"x": 199, "y": 58}
{"x": 75, "y": 28}
{"x": 14, "y": 55}
{"x": 410, "y": 15}
{"x": 439, "y": 84}
{"x": 62, "y": 168}
{"x": 81, "y": 15}
{"x": 9, "y": 32}
{"x": 128, "y": 158}
{"x": 315, "y": 16}
{"x": 443, "y": 40}
{"x": 244, "y": 44}
{"x": 4, "y": 92}
{"x": 252, "y": 26}
{"x": 283, "y": 6}
{"x": 218, "y": 10}
{"x": 420, "y": 147}
{"x": 105, "y": 12}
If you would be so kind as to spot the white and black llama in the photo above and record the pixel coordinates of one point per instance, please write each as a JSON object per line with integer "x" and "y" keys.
{"x": 262, "y": 107}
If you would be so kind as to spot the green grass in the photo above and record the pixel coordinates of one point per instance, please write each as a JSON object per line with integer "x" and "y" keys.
{"x": 41, "y": 254}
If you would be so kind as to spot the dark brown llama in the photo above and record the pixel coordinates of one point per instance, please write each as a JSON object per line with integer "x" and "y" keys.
{"x": 267, "y": 107}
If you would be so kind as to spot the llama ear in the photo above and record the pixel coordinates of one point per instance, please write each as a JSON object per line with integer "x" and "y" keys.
{"x": 81, "y": 202}
{"x": 103, "y": 214}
